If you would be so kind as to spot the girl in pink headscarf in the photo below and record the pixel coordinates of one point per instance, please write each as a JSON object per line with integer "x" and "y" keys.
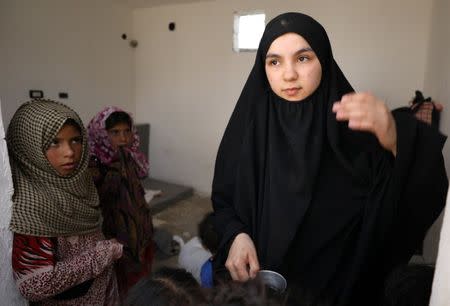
{"x": 117, "y": 167}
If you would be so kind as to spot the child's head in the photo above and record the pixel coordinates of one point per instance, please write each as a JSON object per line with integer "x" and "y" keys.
{"x": 54, "y": 194}
{"x": 249, "y": 293}
{"x": 65, "y": 149}
{"x": 166, "y": 287}
{"x": 49, "y": 136}
{"x": 119, "y": 127}
{"x": 208, "y": 234}
{"x": 110, "y": 129}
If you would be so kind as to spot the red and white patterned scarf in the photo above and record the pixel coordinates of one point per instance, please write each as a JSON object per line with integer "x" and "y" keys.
{"x": 100, "y": 144}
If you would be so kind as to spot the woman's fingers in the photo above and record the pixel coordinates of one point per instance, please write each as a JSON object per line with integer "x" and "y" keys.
{"x": 242, "y": 261}
{"x": 254, "y": 265}
{"x": 361, "y": 110}
{"x": 242, "y": 271}
{"x": 365, "y": 112}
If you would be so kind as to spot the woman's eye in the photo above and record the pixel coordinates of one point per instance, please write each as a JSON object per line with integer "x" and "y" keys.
{"x": 303, "y": 58}
{"x": 273, "y": 62}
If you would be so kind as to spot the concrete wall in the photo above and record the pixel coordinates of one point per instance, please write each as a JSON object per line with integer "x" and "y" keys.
{"x": 66, "y": 46}
{"x": 437, "y": 85}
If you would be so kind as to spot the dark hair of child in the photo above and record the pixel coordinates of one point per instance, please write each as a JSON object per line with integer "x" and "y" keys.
{"x": 208, "y": 234}
{"x": 73, "y": 123}
{"x": 249, "y": 293}
{"x": 166, "y": 287}
{"x": 116, "y": 118}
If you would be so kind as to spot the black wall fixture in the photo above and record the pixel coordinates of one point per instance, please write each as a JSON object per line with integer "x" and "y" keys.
{"x": 36, "y": 94}
{"x": 172, "y": 26}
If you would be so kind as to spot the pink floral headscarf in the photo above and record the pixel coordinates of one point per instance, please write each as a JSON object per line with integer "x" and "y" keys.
{"x": 100, "y": 145}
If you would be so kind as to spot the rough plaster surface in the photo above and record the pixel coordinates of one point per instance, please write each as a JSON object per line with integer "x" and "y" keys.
{"x": 8, "y": 290}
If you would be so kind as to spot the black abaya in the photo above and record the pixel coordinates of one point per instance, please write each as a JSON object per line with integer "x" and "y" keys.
{"x": 326, "y": 206}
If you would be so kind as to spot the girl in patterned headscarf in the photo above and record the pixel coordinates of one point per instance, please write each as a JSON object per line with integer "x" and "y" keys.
{"x": 60, "y": 256}
{"x": 117, "y": 167}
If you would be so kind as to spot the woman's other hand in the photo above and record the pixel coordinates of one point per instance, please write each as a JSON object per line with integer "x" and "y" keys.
{"x": 365, "y": 112}
{"x": 242, "y": 261}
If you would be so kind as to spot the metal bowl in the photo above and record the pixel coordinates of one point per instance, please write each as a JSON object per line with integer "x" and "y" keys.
{"x": 272, "y": 279}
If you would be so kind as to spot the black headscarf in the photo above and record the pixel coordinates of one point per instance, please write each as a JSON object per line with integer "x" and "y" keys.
{"x": 270, "y": 152}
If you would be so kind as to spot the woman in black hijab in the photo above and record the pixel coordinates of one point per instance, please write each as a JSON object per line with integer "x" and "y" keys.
{"x": 317, "y": 182}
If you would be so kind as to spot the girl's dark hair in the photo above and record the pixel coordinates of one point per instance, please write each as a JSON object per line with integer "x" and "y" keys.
{"x": 73, "y": 123}
{"x": 116, "y": 118}
{"x": 208, "y": 234}
{"x": 177, "y": 275}
{"x": 250, "y": 293}
{"x": 166, "y": 287}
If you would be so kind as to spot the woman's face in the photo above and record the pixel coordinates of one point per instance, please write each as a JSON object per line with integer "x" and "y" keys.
{"x": 120, "y": 135}
{"x": 292, "y": 68}
{"x": 64, "y": 153}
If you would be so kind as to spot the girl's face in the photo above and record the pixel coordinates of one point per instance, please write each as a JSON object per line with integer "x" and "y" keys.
{"x": 120, "y": 135}
{"x": 292, "y": 68}
{"x": 65, "y": 150}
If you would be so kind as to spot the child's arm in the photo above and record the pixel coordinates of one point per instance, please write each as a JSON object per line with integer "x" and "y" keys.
{"x": 39, "y": 275}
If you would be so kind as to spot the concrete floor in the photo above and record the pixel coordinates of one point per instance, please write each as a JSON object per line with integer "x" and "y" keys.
{"x": 181, "y": 218}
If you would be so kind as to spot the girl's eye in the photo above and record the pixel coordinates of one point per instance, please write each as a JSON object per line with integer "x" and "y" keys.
{"x": 77, "y": 140}
{"x": 54, "y": 143}
{"x": 303, "y": 58}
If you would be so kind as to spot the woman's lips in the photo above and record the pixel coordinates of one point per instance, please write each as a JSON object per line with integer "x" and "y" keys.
{"x": 292, "y": 91}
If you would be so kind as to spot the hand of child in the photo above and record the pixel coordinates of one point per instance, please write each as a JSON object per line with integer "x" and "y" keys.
{"x": 116, "y": 248}
{"x": 242, "y": 261}
{"x": 365, "y": 112}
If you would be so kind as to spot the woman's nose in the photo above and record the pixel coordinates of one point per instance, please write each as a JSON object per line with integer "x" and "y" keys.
{"x": 290, "y": 73}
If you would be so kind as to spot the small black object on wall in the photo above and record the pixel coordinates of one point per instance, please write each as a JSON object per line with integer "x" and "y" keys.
{"x": 36, "y": 94}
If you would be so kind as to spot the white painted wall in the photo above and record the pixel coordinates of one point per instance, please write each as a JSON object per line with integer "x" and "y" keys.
{"x": 8, "y": 290}
{"x": 437, "y": 85}
{"x": 437, "y": 81}
{"x": 188, "y": 81}
{"x": 66, "y": 45}
{"x": 440, "y": 295}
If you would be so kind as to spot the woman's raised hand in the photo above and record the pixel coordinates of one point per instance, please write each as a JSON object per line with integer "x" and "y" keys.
{"x": 242, "y": 261}
{"x": 365, "y": 112}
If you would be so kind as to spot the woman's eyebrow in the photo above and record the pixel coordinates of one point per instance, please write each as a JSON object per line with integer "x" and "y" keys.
{"x": 272, "y": 55}
{"x": 302, "y": 50}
